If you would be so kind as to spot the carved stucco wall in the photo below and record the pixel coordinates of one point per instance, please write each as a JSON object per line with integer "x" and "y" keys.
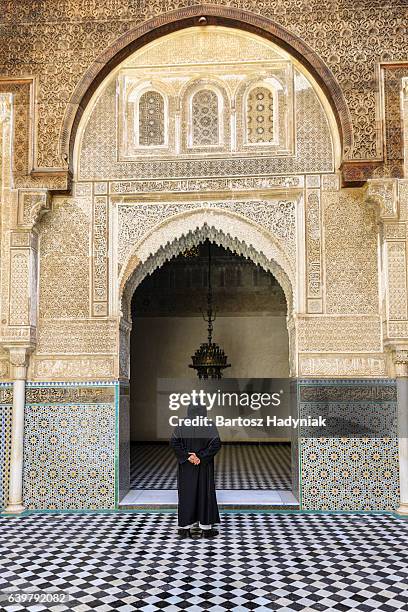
{"x": 117, "y": 222}
{"x": 344, "y": 339}
{"x": 6, "y": 202}
{"x": 320, "y": 241}
{"x": 350, "y": 254}
{"x": 347, "y": 340}
{"x": 45, "y": 37}
{"x": 171, "y": 66}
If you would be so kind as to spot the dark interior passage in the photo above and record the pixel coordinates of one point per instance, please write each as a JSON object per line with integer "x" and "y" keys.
{"x": 168, "y": 327}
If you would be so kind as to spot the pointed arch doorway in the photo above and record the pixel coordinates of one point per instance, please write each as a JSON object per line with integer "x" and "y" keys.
{"x": 164, "y": 332}
{"x": 258, "y": 199}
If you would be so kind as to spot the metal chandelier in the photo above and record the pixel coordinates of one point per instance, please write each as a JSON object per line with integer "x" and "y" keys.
{"x": 209, "y": 360}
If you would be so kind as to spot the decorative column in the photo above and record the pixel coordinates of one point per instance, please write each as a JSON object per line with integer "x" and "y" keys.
{"x": 18, "y": 362}
{"x": 385, "y": 195}
{"x": 401, "y": 372}
{"x": 20, "y": 210}
{"x": 18, "y": 323}
{"x": 125, "y": 328}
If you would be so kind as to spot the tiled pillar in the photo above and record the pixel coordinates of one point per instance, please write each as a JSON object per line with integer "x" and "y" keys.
{"x": 401, "y": 370}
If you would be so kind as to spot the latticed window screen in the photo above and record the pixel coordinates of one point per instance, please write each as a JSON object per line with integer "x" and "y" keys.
{"x": 260, "y": 115}
{"x": 205, "y": 120}
{"x": 151, "y": 119}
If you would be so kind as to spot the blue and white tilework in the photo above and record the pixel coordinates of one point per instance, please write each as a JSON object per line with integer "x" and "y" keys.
{"x": 5, "y": 440}
{"x": 349, "y": 473}
{"x": 70, "y": 448}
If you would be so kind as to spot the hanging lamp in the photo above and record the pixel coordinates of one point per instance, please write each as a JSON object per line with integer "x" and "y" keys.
{"x": 209, "y": 360}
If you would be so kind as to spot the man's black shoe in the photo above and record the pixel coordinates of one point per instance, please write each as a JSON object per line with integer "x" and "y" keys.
{"x": 209, "y": 533}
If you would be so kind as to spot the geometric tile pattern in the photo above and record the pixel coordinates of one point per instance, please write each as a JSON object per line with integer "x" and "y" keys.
{"x": 70, "y": 453}
{"x": 237, "y": 466}
{"x": 345, "y": 473}
{"x": 69, "y": 456}
{"x": 350, "y": 474}
{"x": 6, "y": 413}
{"x": 135, "y": 561}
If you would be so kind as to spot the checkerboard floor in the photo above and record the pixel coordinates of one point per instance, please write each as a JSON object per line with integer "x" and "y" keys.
{"x": 237, "y": 466}
{"x": 129, "y": 561}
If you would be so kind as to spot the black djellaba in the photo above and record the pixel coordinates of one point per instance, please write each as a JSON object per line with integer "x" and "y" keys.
{"x": 196, "y": 484}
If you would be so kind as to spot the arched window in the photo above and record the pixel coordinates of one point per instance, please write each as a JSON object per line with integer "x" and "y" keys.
{"x": 260, "y": 115}
{"x": 151, "y": 123}
{"x": 205, "y": 122}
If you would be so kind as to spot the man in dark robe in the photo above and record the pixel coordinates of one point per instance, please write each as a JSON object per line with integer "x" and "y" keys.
{"x": 195, "y": 448}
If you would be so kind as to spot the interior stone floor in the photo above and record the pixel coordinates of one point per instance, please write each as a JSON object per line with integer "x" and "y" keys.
{"x": 237, "y": 466}
{"x": 121, "y": 562}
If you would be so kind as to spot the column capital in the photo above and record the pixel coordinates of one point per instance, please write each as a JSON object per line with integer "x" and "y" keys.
{"x": 32, "y": 204}
{"x": 125, "y": 325}
{"x": 382, "y": 194}
{"x": 5, "y": 107}
{"x": 400, "y": 359}
{"x": 19, "y": 357}
{"x": 404, "y": 87}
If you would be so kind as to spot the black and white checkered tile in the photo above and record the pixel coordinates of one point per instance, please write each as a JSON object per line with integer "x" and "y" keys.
{"x": 250, "y": 466}
{"x": 128, "y": 561}
{"x": 238, "y": 466}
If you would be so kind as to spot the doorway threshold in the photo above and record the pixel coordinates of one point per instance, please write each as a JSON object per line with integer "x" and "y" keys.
{"x": 228, "y": 499}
